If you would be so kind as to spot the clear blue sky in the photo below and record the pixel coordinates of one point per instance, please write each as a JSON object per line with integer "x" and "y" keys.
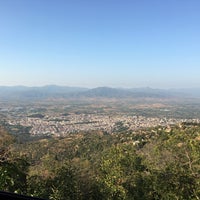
{"x": 118, "y": 43}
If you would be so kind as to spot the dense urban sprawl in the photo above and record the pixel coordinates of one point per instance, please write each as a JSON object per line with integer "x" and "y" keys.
{"x": 61, "y": 125}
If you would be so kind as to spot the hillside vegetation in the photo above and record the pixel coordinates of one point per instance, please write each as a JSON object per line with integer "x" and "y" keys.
{"x": 155, "y": 163}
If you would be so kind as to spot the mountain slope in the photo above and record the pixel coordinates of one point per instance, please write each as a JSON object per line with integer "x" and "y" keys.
{"x": 53, "y": 91}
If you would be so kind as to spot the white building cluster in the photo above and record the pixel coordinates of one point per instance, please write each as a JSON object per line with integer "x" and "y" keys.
{"x": 61, "y": 125}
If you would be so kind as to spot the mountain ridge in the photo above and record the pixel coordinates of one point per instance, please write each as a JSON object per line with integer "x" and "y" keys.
{"x": 55, "y": 91}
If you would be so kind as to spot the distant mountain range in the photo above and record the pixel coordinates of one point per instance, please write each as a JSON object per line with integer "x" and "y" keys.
{"x": 53, "y": 91}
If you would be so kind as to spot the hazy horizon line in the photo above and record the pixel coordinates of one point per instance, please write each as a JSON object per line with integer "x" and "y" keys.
{"x": 100, "y": 86}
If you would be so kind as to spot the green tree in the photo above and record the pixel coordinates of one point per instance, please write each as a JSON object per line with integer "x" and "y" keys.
{"x": 120, "y": 172}
{"x": 13, "y": 170}
{"x": 65, "y": 185}
{"x": 173, "y": 162}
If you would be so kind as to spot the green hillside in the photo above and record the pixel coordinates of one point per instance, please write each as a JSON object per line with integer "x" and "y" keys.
{"x": 155, "y": 163}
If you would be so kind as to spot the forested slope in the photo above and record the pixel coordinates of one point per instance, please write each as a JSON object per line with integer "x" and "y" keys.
{"x": 155, "y": 163}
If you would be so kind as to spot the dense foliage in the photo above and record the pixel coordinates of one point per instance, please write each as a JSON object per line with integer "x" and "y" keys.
{"x": 156, "y": 163}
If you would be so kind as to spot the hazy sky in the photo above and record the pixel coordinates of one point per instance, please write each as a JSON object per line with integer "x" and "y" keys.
{"x": 118, "y": 43}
